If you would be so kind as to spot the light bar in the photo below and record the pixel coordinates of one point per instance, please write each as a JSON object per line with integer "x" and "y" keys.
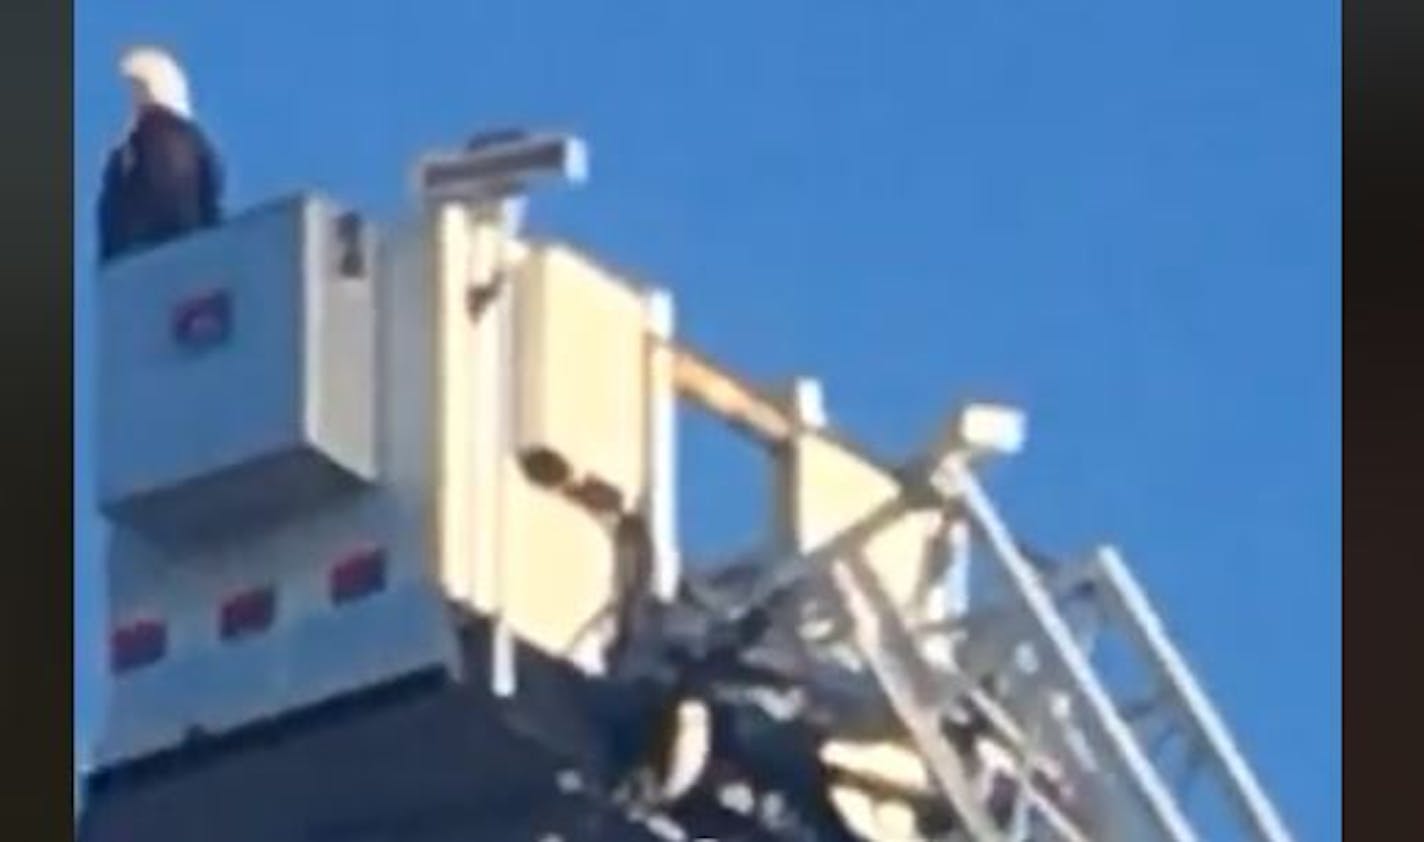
{"x": 501, "y": 164}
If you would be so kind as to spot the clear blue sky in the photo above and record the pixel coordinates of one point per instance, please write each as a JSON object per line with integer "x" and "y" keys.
{"x": 1123, "y": 215}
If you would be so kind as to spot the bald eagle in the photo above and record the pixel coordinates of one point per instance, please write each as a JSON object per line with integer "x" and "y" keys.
{"x": 163, "y": 180}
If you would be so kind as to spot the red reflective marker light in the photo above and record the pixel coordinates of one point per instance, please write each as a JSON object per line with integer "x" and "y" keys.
{"x": 358, "y": 574}
{"x": 203, "y": 321}
{"x": 247, "y": 613}
{"x": 137, "y": 644}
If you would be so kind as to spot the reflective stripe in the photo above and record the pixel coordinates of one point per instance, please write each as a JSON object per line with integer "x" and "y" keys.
{"x": 247, "y": 613}
{"x": 359, "y": 574}
{"x": 137, "y": 644}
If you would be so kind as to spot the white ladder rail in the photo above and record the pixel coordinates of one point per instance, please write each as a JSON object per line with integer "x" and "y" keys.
{"x": 1131, "y": 607}
{"x": 893, "y": 658}
{"x": 903, "y": 676}
{"x": 955, "y": 480}
{"x": 919, "y": 690}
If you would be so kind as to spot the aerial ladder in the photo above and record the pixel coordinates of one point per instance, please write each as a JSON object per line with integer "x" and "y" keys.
{"x": 1096, "y": 755}
{"x": 1137, "y": 756}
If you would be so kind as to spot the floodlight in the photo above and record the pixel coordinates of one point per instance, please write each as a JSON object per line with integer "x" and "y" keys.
{"x": 984, "y": 428}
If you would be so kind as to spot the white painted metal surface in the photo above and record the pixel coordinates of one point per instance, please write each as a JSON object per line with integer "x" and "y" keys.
{"x": 312, "y": 648}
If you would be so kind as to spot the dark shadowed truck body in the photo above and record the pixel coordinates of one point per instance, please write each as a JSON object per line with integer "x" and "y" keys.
{"x": 423, "y": 758}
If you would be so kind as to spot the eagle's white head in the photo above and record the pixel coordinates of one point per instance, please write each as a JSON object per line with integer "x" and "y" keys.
{"x": 156, "y": 79}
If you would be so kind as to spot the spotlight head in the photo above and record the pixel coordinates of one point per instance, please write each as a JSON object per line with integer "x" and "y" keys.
{"x": 986, "y": 428}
